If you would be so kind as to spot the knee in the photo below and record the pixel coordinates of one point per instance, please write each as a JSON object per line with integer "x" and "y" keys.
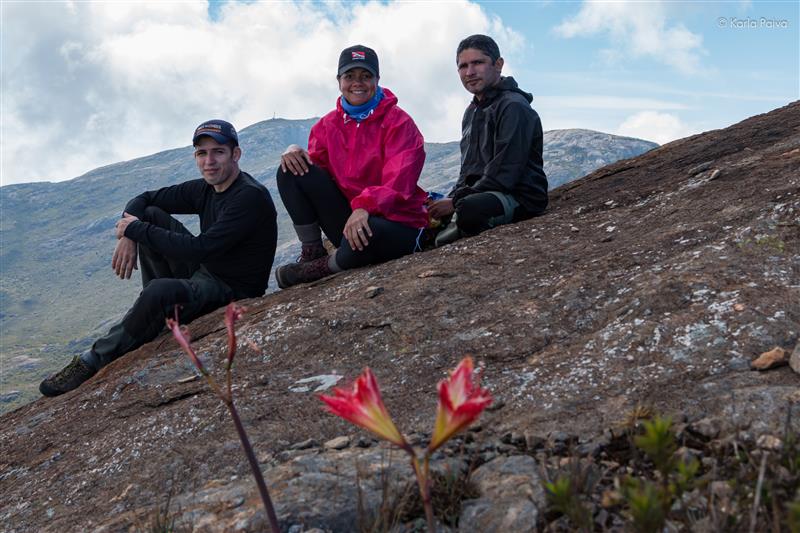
{"x": 156, "y": 215}
{"x": 282, "y": 176}
{"x": 469, "y": 218}
{"x": 164, "y": 293}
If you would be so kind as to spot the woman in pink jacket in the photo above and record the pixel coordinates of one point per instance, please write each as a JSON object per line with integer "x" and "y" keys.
{"x": 357, "y": 182}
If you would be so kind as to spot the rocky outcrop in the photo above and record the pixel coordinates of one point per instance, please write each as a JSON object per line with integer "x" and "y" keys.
{"x": 652, "y": 282}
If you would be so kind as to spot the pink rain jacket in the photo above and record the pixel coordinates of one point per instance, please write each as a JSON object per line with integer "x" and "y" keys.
{"x": 376, "y": 163}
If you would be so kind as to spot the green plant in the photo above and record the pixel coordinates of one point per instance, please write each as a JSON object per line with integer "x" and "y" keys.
{"x": 564, "y": 496}
{"x": 650, "y": 502}
{"x": 647, "y": 504}
{"x": 658, "y": 442}
{"x": 793, "y": 515}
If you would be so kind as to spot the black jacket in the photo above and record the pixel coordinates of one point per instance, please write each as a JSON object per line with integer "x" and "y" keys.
{"x": 501, "y": 146}
{"x": 238, "y": 230}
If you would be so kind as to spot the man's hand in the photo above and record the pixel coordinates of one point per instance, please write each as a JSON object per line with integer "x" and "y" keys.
{"x": 124, "y": 259}
{"x": 441, "y": 208}
{"x": 122, "y": 223}
{"x": 295, "y": 160}
{"x": 356, "y": 229}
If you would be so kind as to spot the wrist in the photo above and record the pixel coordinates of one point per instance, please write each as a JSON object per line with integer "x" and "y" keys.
{"x": 127, "y": 232}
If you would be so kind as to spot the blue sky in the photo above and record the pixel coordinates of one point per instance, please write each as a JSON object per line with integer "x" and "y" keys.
{"x": 746, "y": 60}
{"x": 93, "y": 83}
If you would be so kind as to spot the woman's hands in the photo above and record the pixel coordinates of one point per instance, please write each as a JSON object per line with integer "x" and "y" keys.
{"x": 357, "y": 230}
{"x": 295, "y": 160}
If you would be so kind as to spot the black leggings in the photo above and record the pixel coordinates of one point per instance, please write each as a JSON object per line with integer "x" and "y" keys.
{"x": 315, "y": 198}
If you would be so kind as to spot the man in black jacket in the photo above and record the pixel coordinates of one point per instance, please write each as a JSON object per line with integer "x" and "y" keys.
{"x": 502, "y": 179}
{"x": 229, "y": 260}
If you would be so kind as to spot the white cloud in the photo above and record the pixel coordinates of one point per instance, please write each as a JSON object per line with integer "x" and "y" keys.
{"x": 92, "y": 83}
{"x": 599, "y": 101}
{"x": 637, "y": 29}
{"x": 654, "y": 126}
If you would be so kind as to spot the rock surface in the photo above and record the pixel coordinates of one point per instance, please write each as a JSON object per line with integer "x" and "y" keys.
{"x": 576, "y": 330}
{"x": 511, "y": 497}
{"x": 794, "y": 360}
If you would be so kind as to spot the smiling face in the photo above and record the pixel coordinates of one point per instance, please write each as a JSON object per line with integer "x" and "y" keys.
{"x": 218, "y": 163}
{"x": 477, "y": 72}
{"x": 358, "y": 86}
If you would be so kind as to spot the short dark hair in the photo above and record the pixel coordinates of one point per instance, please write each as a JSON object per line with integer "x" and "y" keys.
{"x": 484, "y": 43}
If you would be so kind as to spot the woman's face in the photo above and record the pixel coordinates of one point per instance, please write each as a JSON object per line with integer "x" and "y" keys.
{"x": 358, "y": 86}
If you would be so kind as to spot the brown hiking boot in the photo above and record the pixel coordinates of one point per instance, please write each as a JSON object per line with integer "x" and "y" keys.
{"x": 70, "y": 377}
{"x": 309, "y": 252}
{"x": 296, "y": 273}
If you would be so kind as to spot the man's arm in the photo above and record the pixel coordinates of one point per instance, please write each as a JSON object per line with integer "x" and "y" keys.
{"x": 238, "y": 218}
{"x": 174, "y": 199}
{"x": 180, "y": 199}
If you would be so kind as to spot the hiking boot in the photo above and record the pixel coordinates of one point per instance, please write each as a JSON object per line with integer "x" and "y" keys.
{"x": 306, "y": 272}
{"x": 70, "y": 377}
{"x": 309, "y": 252}
{"x": 449, "y": 234}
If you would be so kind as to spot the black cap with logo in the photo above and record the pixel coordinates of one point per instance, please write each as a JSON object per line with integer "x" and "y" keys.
{"x": 359, "y": 56}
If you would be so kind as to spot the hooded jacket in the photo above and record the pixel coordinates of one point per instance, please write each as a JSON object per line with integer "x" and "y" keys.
{"x": 501, "y": 146}
{"x": 376, "y": 162}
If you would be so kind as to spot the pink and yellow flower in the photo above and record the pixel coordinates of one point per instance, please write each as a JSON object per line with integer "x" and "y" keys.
{"x": 181, "y": 335}
{"x": 363, "y": 406}
{"x": 232, "y": 313}
{"x": 460, "y": 403}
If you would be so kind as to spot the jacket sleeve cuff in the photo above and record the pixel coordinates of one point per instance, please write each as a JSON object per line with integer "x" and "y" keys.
{"x": 362, "y": 202}
{"x": 135, "y": 229}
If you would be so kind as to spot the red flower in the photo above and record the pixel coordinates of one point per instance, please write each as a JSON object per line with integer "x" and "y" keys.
{"x": 181, "y": 335}
{"x": 364, "y": 407}
{"x": 232, "y": 313}
{"x": 460, "y": 403}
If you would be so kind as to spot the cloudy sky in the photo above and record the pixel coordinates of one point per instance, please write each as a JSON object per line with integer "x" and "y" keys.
{"x": 86, "y": 84}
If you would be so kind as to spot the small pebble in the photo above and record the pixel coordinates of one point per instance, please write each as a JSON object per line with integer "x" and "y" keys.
{"x": 372, "y": 292}
{"x": 303, "y": 445}
{"x": 339, "y": 443}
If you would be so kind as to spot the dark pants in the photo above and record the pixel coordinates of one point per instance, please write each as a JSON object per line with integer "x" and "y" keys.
{"x": 315, "y": 198}
{"x": 478, "y": 212}
{"x": 166, "y": 283}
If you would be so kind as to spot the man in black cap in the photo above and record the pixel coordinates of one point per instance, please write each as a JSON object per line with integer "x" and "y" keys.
{"x": 229, "y": 260}
{"x": 502, "y": 178}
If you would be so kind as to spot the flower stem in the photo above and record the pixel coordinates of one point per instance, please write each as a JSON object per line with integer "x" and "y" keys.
{"x": 423, "y": 480}
{"x": 251, "y": 457}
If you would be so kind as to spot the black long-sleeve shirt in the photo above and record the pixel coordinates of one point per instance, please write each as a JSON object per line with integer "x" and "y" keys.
{"x": 238, "y": 230}
{"x": 501, "y": 146}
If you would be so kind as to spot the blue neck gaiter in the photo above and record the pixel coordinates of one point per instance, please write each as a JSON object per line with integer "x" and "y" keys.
{"x": 360, "y": 112}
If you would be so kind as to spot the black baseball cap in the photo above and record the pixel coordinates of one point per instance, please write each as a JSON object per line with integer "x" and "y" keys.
{"x": 219, "y": 130}
{"x": 359, "y": 56}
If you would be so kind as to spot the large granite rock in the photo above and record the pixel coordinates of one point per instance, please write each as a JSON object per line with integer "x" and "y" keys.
{"x": 653, "y": 281}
